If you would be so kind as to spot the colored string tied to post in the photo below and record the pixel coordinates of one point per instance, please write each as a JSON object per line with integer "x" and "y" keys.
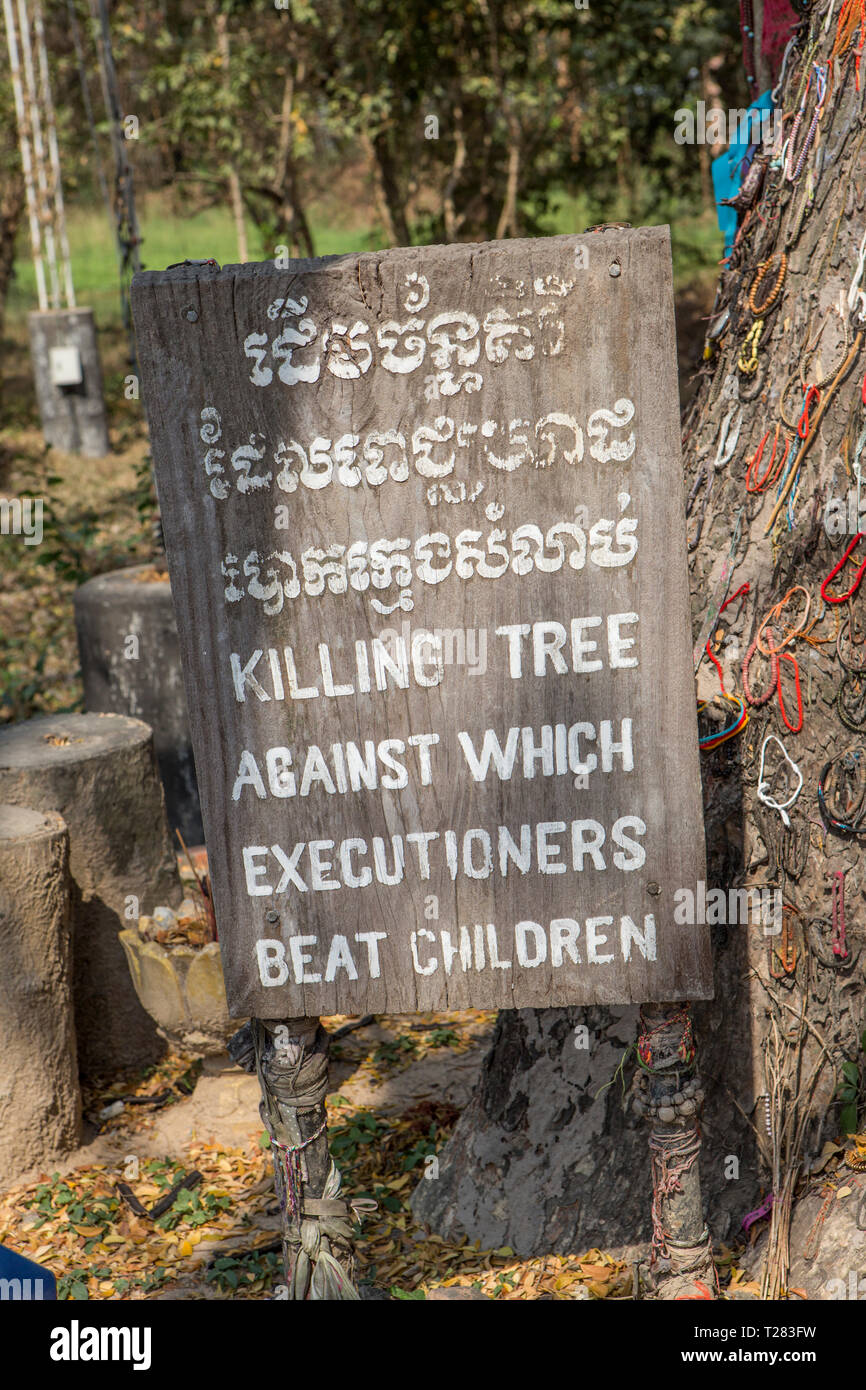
{"x": 739, "y": 720}
{"x": 671, "y": 1157}
{"x": 316, "y": 1229}
{"x": 763, "y": 790}
{"x": 840, "y": 946}
{"x": 288, "y": 1165}
{"x": 671, "y": 1043}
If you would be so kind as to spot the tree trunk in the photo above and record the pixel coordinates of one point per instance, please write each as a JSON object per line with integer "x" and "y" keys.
{"x": 235, "y": 196}
{"x": 11, "y": 212}
{"x": 289, "y": 223}
{"x": 543, "y": 1159}
{"x": 452, "y": 220}
{"x": 392, "y": 201}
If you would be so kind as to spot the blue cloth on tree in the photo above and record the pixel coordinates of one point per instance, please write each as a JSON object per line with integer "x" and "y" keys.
{"x": 730, "y": 167}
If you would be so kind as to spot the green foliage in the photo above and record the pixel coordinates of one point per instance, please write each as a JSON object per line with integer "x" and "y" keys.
{"x": 192, "y": 1207}
{"x": 420, "y": 1149}
{"x": 230, "y": 1272}
{"x": 442, "y": 101}
{"x": 443, "y": 1037}
{"x": 463, "y": 119}
{"x": 397, "y": 1050}
{"x": 345, "y": 1141}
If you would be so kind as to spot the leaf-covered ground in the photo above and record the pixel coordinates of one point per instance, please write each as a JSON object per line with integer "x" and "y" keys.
{"x": 216, "y": 1238}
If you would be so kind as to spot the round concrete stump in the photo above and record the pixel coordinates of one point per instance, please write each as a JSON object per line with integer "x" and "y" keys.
{"x": 130, "y": 664}
{"x": 40, "y": 1100}
{"x": 98, "y": 772}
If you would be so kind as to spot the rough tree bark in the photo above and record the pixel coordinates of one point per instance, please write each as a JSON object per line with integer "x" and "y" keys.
{"x": 542, "y": 1159}
{"x": 220, "y": 19}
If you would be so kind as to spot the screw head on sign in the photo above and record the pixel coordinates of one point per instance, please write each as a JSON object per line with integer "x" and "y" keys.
{"x": 654, "y": 889}
{"x": 615, "y": 269}
{"x": 272, "y": 916}
{"x": 190, "y": 313}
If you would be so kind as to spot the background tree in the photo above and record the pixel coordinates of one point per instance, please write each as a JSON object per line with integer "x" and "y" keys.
{"x": 547, "y": 1155}
{"x": 11, "y": 195}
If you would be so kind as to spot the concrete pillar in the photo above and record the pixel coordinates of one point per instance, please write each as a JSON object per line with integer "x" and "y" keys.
{"x": 130, "y": 664}
{"x": 68, "y": 376}
{"x": 99, "y": 772}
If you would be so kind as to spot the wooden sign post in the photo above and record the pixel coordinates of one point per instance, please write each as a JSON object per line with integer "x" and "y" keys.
{"x": 424, "y": 521}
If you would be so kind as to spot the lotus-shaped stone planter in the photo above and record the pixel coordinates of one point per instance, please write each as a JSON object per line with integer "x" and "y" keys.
{"x": 182, "y": 988}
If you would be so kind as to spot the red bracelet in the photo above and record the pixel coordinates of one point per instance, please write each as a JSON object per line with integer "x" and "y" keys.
{"x": 840, "y": 598}
{"x": 813, "y": 397}
{"x": 786, "y": 656}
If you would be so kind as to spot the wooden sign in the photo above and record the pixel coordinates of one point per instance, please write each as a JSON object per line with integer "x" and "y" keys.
{"x": 424, "y": 519}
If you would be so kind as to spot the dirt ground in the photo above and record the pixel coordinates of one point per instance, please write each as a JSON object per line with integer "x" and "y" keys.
{"x": 398, "y": 1085}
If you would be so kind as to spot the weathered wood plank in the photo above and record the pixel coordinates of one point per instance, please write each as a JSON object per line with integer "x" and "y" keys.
{"x": 469, "y": 441}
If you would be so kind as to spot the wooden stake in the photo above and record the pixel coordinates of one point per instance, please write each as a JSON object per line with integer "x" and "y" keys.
{"x": 290, "y": 1056}
{"x": 670, "y": 1094}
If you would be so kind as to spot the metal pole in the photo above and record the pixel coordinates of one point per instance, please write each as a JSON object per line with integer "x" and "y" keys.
{"x": 290, "y": 1056}
{"x": 26, "y": 154}
{"x": 669, "y": 1093}
{"x": 54, "y": 155}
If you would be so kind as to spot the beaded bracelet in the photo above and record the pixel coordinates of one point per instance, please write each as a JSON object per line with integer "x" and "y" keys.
{"x": 763, "y": 270}
{"x": 850, "y": 823}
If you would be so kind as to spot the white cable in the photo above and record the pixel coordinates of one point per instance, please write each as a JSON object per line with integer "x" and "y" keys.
{"x": 855, "y": 294}
{"x": 763, "y": 792}
{"x": 728, "y": 442}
